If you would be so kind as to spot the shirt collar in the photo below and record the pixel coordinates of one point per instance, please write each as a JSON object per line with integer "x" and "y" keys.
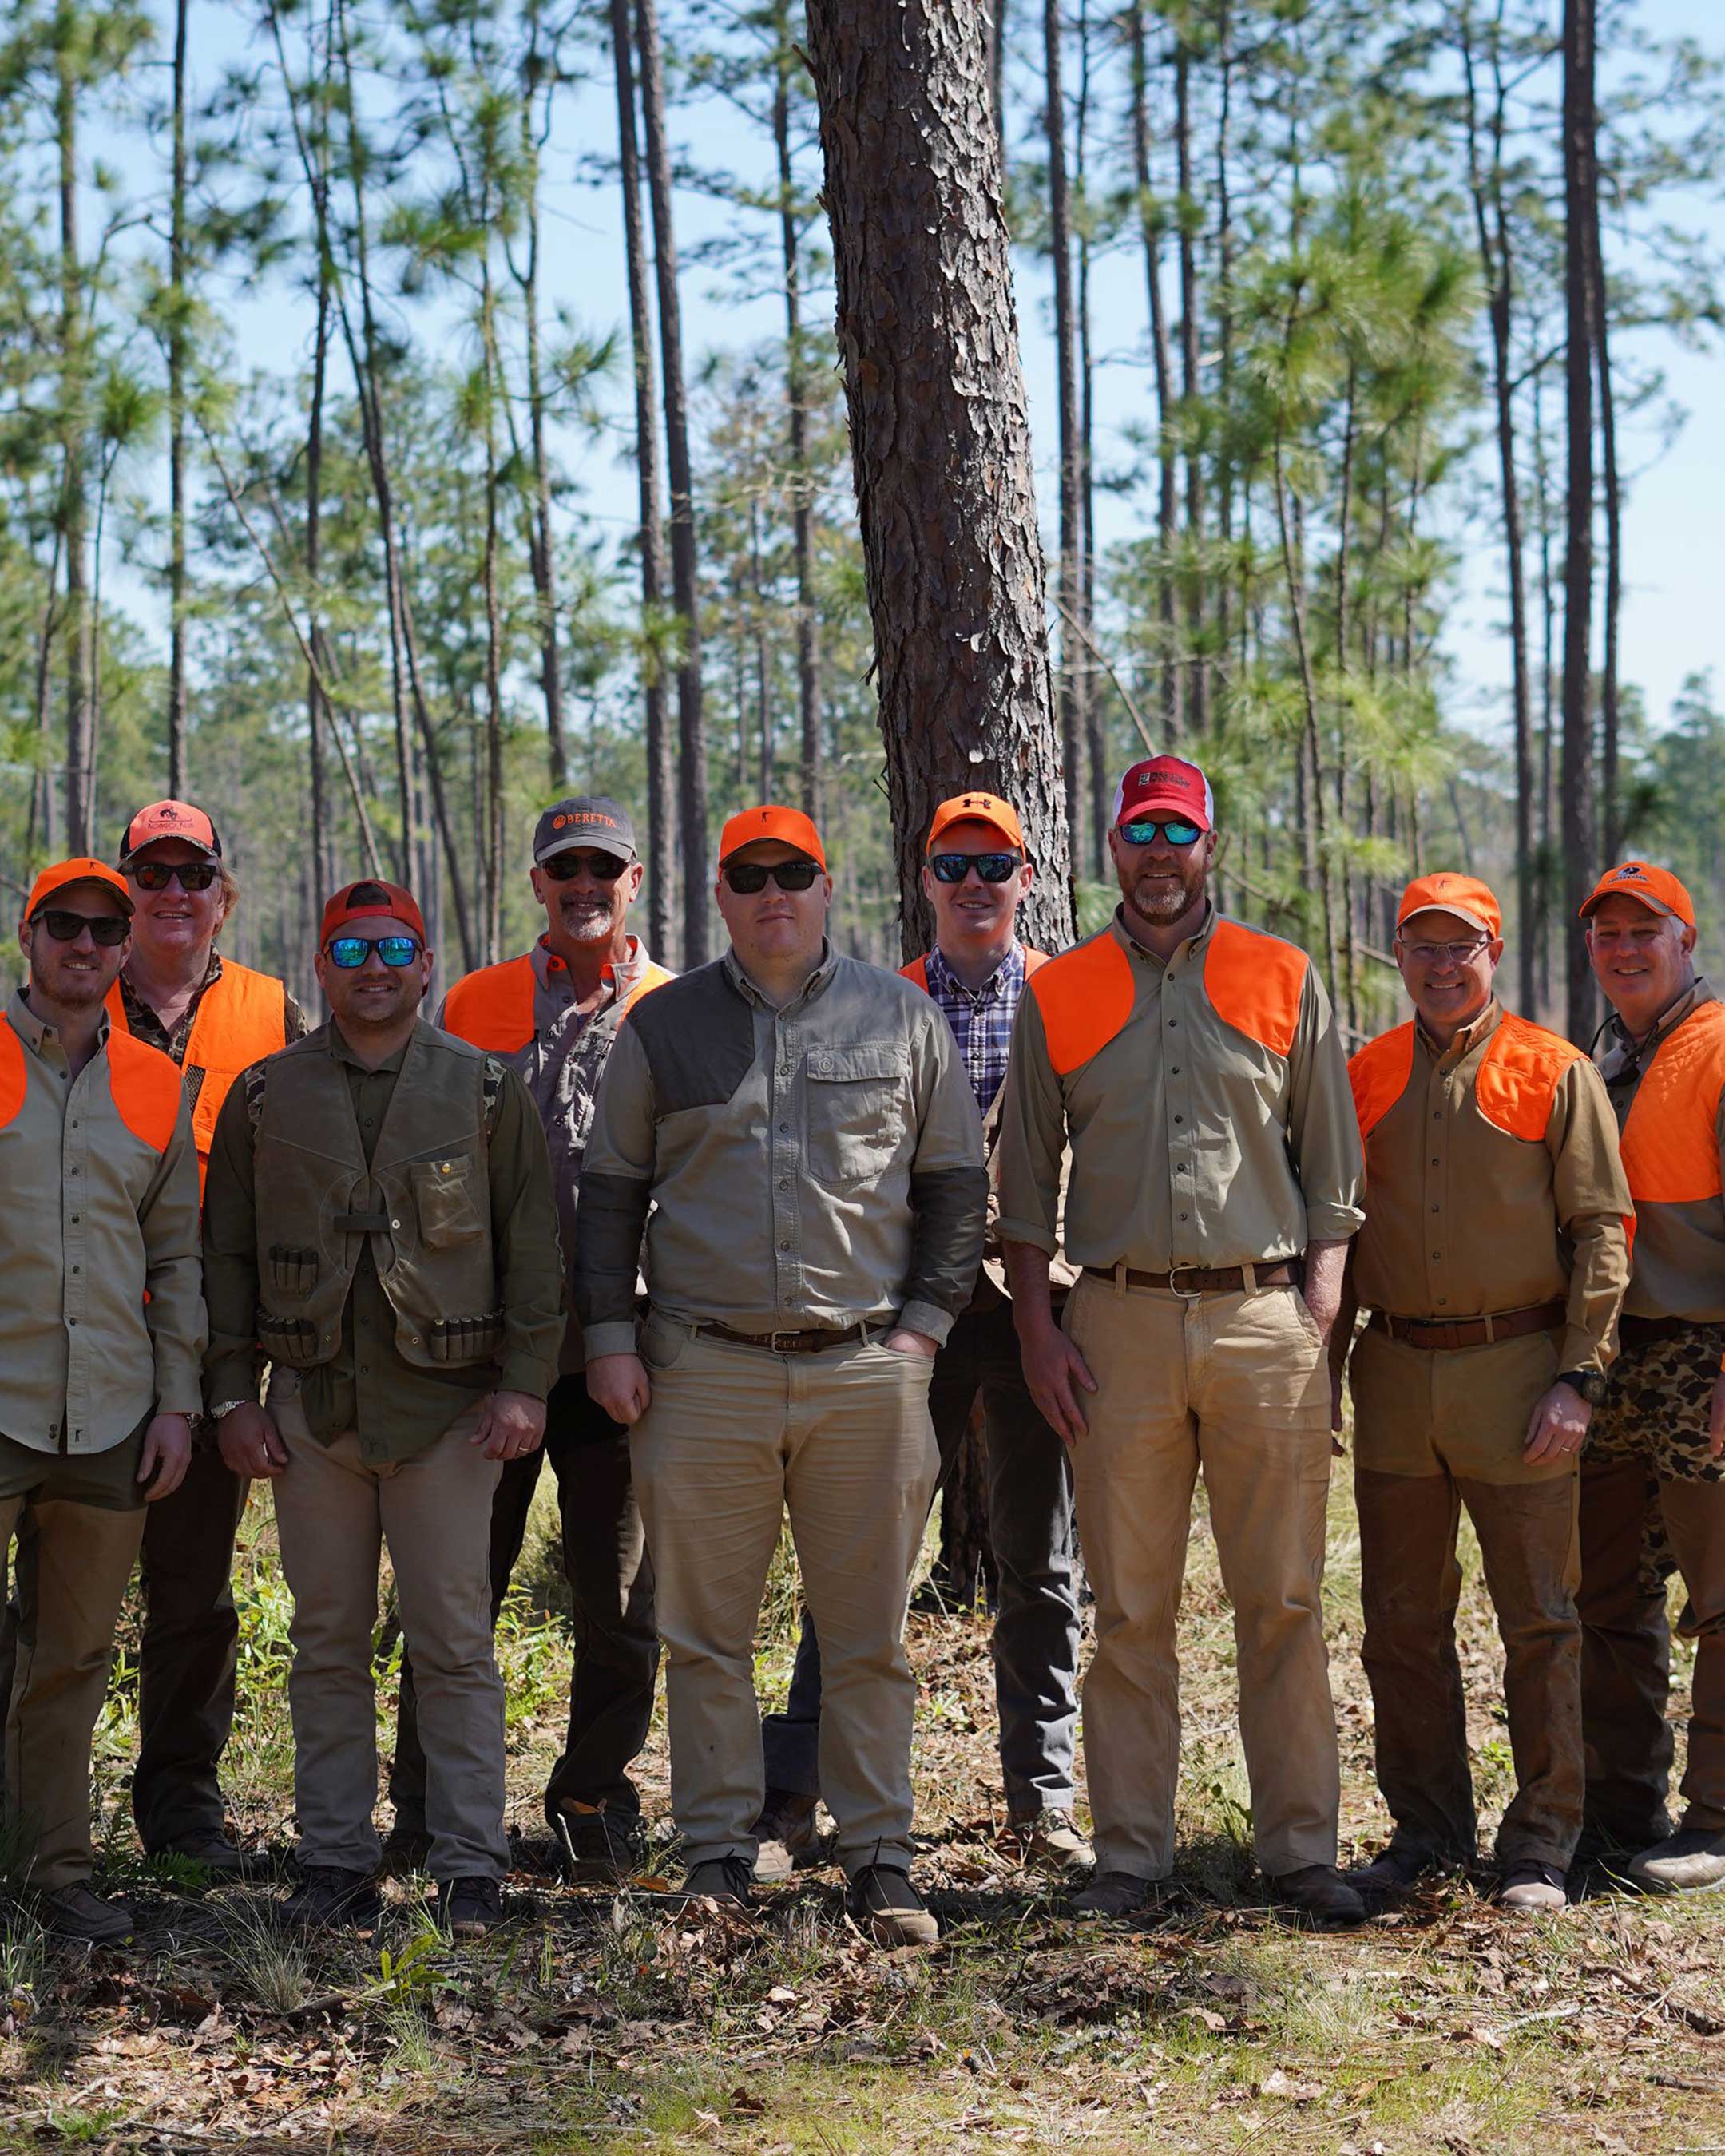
{"x": 38, "y": 1034}
{"x": 1005, "y": 975}
{"x": 1623, "y": 1049}
{"x": 343, "y": 1054}
{"x": 806, "y": 994}
{"x": 1130, "y": 944}
{"x": 1466, "y": 1038}
{"x": 132, "y": 994}
{"x": 553, "y": 975}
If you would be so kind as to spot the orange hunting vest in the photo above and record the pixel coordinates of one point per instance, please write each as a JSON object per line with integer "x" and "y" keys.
{"x": 493, "y": 1008}
{"x": 242, "y": 1017}
{"x": 1514, "y": 1086}
{"x": 147, "y": 1089}
{"x": 1670, "y": 1150}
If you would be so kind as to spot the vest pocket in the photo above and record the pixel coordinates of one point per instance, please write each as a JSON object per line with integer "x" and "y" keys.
{"x": 292, "y": 1340}
{"x": 292, "y": 1272}
{"x": 444, "y": 1202}
{"x": 465, "y": 1339}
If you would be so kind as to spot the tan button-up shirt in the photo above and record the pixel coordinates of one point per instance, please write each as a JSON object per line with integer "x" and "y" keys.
{"x": 1206, "y": 1101}
{"x": 1464, "y": 1218}
{"x": 101, "y": 1299}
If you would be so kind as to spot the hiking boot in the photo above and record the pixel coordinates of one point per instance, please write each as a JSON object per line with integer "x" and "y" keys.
{"x": 1319, "y": 1891}
{"x": 214, "y": 1851}
{"x": 1116, "y": 1894}
{"x": 470, "y": 1908}
{"x": 1049, "y": 1842}
{"x": 406, "y": 1849}
{"x": 726, "y": 1879}
{"x": 600, "y": 1847}
{"x": 1395, "y": 1871}
{"x": 74, "y": 1912}
{"x": 329, "y": 1895}
{"x": 889, "y": 1908}
{"x": 784, "y": 1833}
{"x": 1690, "y": 1861}
{"x": 1532, "y": 1889}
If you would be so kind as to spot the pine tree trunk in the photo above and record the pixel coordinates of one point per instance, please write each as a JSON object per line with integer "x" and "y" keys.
{"x": 1096, "y": 737}
{"x": 1171, "y": 673}
{"x": 1199, "y": 699}
{"x": 74, "y": 475}
{"x": 1611, "y": 780}
{"x": 662, "y": 877}
{"x": 177, "y": 779}
{"x": 1580, "y": 183}
{"x": 1070, "y": 680}
{"x": 692, "y": 742}
{"x": 323, "y": 878}
{"x": 543, "y": 554}
{"x": 940, "y": 447}
{"x": 796, "y": 391}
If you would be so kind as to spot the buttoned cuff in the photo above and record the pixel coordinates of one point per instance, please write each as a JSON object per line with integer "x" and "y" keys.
{"x": 927, "y": 1317}
{"x": 1332, "y": 1223}
{"x": 531, "y": 1374}
{"x": 179, "y": 1389}
{"x": 1009, "y": 1230}
{"x": 618, "y": 1337}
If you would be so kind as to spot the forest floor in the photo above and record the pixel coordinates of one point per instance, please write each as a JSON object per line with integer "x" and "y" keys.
{"x": 598, "y": 2022}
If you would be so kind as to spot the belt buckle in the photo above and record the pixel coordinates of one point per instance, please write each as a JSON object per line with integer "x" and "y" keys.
{"x": 774, "y": 1339}
{"x": 1189, "y": 1295}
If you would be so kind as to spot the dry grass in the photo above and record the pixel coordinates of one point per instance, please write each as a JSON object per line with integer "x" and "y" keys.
{"x": 593, "y": 2024}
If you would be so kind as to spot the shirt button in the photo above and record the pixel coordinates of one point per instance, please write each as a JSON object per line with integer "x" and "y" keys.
{"x": 1183, "y": 1216}
{"x": 1435, "y": 1162}
{"x": 1175, "y": 1072}
{"x": 365, "y": 1369}
{"x": 784, "y": 1183}
{"x": 1179, "y": 1119}
{"x": 1173, "y": 1023}
{"x": 784, "y": 1130}
{"x": 1437, "y": 1254}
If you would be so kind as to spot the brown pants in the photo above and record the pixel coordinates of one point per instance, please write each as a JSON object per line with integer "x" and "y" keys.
{"x": 79, "y": 1522}
{"x": 1434, "y": 1431}
{"x": 1237, "y": 1384}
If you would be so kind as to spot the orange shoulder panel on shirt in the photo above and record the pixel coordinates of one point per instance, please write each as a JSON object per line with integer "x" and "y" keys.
{"x": 1254, "y": 981}
{"x": 14, "y": 1075}
{"x": 1085, "y": 997}
{"x": 493, "y": 1008}
{"x": 652, "y": 977}
{"x": 917, "y": 972}
{"x": 1379, "y": 1074}
{"x": 1519, "y": 1075}
{"x": 147, "y": 1090}
{"x": 1670, "y": 1140}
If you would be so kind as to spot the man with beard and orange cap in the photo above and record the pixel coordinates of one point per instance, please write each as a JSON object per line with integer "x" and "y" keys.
{"x": 1492, "y": 1263}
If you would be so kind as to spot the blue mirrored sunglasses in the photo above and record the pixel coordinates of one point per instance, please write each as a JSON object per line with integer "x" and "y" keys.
{"x": 1175, "y": 829}
{"x": 351, "y": 951}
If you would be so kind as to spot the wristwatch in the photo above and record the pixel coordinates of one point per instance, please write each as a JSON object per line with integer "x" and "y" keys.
{"x": 226, "y": 1407}
{"x": 1591, "y": 1384}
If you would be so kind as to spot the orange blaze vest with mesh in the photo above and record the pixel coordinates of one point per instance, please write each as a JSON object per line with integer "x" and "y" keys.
{"x": 493, "y": 1008}
{"x": 1514, "y": 1087}
{"x": 1671, "y": 1149}
{"x": 242, "y": 1018}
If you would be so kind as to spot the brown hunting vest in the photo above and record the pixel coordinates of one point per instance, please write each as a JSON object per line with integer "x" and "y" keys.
{"x": 424, "y": 1206}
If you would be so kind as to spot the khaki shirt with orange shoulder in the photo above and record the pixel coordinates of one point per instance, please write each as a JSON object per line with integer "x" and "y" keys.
{"x": 1493, "y": 1182}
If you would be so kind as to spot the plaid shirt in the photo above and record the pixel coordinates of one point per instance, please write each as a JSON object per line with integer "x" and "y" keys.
{"x": 981, "y": 1019}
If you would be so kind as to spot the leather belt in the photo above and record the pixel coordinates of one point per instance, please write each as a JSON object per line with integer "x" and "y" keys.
{"x": 1647, "y": 1331}
{"x": 793, "y": 1343}
{"x": 1470, "y": 1332}
{"x": 1209, "y": 1280}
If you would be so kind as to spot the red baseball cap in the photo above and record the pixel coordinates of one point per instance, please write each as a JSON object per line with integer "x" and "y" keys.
{"x": 977, "y": 808}
{"x": 61, "y": 875}
{"x": 1463, "y": 896}
{"x": 1657, "y": 888}
{"x": 369, "y": 898}
{"x": 1168, "y": 783}
{"x": 169, "y": 820}
{"x": 750, "y": 825}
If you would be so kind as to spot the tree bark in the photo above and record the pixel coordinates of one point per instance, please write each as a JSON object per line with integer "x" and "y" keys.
{"x": 1188, "y": 382}
{"x": 1071, "y": 678}
{"x": 691, "y": 744}
{"x": 796, "y": 391}
{"x": 178, "y": 779}
{"x": 941, "y": 446}
{"x": 1096, "y": 740}
{"x": 542, "y": 553}
{"x": 74, "y": 475}
{"x": 1580, "y": 183}
{"x": 662, "y": 878}
{"x": 321, "y": 864}
{"x": 1167, "y": 512}
{"x": 1611, "y": 780}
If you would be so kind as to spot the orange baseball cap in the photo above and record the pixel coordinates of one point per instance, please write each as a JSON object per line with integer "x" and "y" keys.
{"x": 370, "y": 898}
{"x": 1463, "y": 896}
{"x": 169, "y": 820}
{"x": 977, "y": 808}
{"x": 1657, "y": 888}
{"x": 80, "y": 869}
{"x": 770, "y": 821}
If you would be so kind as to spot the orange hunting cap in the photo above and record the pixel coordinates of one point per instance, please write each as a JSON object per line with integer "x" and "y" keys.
{"x": 978, "y": 809}
{"x": 356, "y": 901}
{"x": 749, "y": 826}
{"x": 1657, "y": 888}
{"x": 62, "y": 875}
{"x": 1463, "y": 896}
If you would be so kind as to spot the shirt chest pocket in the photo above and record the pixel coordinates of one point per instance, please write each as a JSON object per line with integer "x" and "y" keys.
{"x": 858, "y": 1109}
{"x": 446, "y": 1203}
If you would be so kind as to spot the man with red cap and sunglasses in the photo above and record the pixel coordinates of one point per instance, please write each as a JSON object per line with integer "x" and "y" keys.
{"x": 379, "y": 1226}
{"x": 552, "y": 1015}
{"x": 1193, "y": 1067}
{"x": 1493, "y": 1261}
{"x": 799, "y": 1128}
{"x": 1653, "y": 1481}
{"x": 101, "y": 1335}
{"x": 976, "y": 874}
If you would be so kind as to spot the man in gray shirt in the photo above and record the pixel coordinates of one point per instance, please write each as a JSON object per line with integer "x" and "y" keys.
{"x": 800, "y": 1126}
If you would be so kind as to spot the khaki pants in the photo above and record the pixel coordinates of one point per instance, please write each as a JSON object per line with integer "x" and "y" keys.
{"x": 1237, "y": 1384}
{"x": 79, "y": 1525}
{"x": 734, "y": 1437}
{"x": 1434, "y": 1430}
{"x": 333, "y": 1515}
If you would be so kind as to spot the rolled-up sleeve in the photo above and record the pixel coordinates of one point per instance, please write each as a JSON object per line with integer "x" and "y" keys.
{"x": 173, "y": 1274}
{"x": 1323, "y": 1124}
{"x": 1033, "y": 1139}
{"x": 1594, "y": 1211}
{"x": 524, "y": 1235}
{"x": 616, "y": 1191}
{"x": 949, "y": 1185}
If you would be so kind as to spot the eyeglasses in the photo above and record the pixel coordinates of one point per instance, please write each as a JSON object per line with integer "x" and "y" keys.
{"x": 1176, "y": 831}
{"x": 992, "y": 868}
{"x": 351, "y": 952}
{"x": 564, "y": 867}
{"x": 746, "y": 878}
{"x": 1446, "y": 954}
{"x": 66, "y": 927}
{"x": 158, "y": 876}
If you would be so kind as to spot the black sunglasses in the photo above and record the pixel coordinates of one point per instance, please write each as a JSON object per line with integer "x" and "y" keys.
{"x": 1176, "y": 831}
{"x": 66, "y": 927}
{"x": 158, "y": 876}
{"x": 992, "y": 868}
{"x": 747, "y": 877}
{"x": 565, "y": 867}
{"x": 350, "y": 953}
